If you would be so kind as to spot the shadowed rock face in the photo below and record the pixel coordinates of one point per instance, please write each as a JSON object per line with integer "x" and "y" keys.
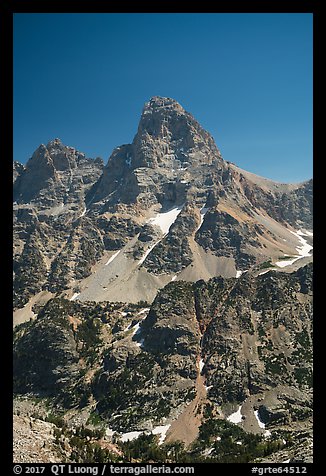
{"x": 54, "y": 174}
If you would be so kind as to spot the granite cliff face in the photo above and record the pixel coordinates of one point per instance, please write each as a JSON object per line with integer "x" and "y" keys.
{"x": 168, "y": 203}
{"x": 168, "y": 290}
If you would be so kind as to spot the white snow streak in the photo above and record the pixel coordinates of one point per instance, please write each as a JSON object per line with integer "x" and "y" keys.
{"x": 147, "y": 253}
{"x": 201, "y": 365}
{"x": 238, "y": 274}
{"x": 83, "y": 212}
{"x": 112, "y": 258}
{"x": 174, "y": 277}
{"x": 260, "y": 423}
{"x": 74, "y": 297}
{"x": 146, "y": 309}
{"x": 235, "y": 417}
{"x": 303, "y": 250}
{"x": 264, "y": 272}
{"x": 203, "y": 212}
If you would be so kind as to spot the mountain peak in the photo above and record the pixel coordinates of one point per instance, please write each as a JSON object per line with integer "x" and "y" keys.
{"x": 54, "y": 143}
{"x": 160, "y": 101}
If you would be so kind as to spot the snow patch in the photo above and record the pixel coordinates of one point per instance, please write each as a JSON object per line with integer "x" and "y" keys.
{"x": 166, "y": 219}
{"x": 109, "y": 432}
{"x": 74, "y": 297}
{"x": 112, "y": 258}
{"x": 161, "y": 430}
{"x": 174, "y": 277}
{"x": 235, "y": 417}
{"x": 286, "y": 461}
{"x": 267, "y": 434}
{"x": 208, "y": 388}
{"x": 208, "y": 452}
{"x": 238, "y": 274}
{"x": 131, "y": 435}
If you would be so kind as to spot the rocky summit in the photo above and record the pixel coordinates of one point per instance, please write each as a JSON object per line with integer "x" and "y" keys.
{"x": 162, "y": 303}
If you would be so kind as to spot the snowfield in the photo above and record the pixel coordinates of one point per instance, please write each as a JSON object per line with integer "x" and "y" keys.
{"x": 131, "y": 435}
{"x": 165, "y": 220}
{"x": 161, "y": 430}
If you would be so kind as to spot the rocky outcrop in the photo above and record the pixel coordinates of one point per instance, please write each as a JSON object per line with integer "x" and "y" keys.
{"x": 46, "y": 360}
{"x": 225, "y": 236}
{"x": 255, "y": 342}
{"x": 252, "y": 334}
{"x": 56, "y": 174}
{"x": 17, "y": 170}
{"x": 153, "y": 376}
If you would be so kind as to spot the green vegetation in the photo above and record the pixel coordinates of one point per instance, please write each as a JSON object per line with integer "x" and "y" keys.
{"x": 219, "y": 442}
{"x": 266, "y": 264}
{"x": 275, "y": 364}
{"x": 303, "y": 376}
{"x": 89, "y": 334}
{"x": 303, "y": 339}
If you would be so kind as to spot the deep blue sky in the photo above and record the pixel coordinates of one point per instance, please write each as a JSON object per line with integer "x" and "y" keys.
{"x": 247, "y": 78}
